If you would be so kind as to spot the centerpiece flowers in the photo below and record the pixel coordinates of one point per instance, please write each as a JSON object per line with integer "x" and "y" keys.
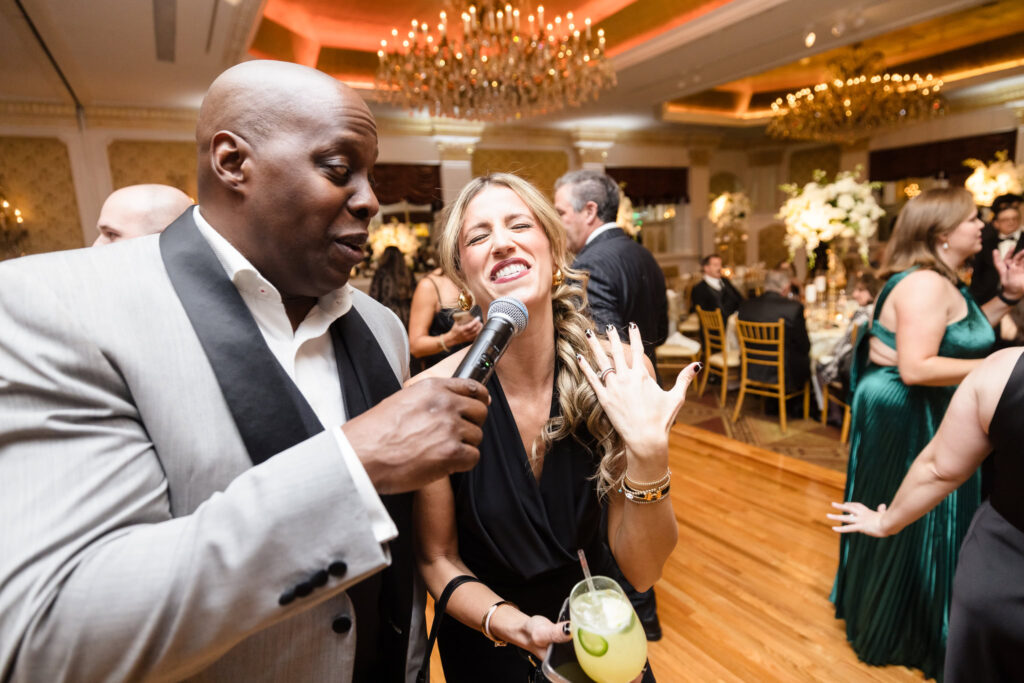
{"x": 996, "y": 178}
{"x": 841, "y": 212}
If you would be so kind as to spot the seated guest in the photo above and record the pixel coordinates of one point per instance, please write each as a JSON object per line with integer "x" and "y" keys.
{"x": 768, "y": 308}
{"x": 715, "y": 292}
{"x": 139, "y": 210}
{"x": 837, "y": 365}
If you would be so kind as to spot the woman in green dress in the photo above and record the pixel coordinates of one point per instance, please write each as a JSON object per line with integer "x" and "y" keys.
{"x": 927, "y": 334}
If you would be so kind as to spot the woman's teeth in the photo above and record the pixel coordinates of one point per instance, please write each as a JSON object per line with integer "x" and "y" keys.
{"x": 510, "y": 270}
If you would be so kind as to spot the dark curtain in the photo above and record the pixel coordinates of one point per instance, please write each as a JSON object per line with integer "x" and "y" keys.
{"x": 415, "y": 183}
{"x": 657, "y": 185}
{"x": 945, "y": 156}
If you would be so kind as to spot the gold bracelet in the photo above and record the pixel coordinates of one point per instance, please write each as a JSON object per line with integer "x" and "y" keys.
{"x": 660, "y": 483}
{"x": 485, "y": 623}
{"x": 444, "y": 347}
{"x": 646, "y": 497}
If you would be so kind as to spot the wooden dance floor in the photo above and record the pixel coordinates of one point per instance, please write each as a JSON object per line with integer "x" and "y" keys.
{"x": 744, "y": 597}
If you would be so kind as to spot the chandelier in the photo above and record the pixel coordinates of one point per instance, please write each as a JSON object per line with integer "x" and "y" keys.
{"x": 857, "y": 100}
{"x": 493, "y": 61}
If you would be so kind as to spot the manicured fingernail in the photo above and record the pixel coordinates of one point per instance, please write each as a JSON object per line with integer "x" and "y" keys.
{"x": 579, "y": 357}
{"x": 609, "y": 328}
{"x": 632, "y": 326}
{"x": 589, "y": 333}
{"x": 565, "y": 628}
{"x": 700, "y": 366}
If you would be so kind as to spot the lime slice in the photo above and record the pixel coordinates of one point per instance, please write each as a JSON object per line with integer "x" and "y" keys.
{"x": 592, "y": 643}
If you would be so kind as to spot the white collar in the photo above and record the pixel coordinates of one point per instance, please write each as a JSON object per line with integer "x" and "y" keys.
{"x": 598, "y": 230}
{"x": 248, "y": 280}
{"x": 713, "y": 282}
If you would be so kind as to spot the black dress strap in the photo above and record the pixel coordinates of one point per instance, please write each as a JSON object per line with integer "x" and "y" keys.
{"x": 1006, "y": 432}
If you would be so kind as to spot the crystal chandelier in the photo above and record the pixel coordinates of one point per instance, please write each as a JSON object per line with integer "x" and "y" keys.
{"x": 493, "y": 61}
{"x": 857, "y": 100}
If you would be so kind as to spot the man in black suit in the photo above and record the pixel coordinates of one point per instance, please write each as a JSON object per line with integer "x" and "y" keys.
{"x": 1003, "y": 234}
{"x": 768, "y": 308}
{"x": 714, "y": 291}
{"x": 626, "y": 285}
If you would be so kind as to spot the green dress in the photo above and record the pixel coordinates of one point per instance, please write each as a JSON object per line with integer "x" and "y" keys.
{"x": 894, "y": 593}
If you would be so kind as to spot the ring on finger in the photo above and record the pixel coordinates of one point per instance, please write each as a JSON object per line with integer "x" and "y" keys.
{"x": 605, "y": 373}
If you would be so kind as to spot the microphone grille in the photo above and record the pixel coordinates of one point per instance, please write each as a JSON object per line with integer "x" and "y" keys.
{"x": 511, "y": 309}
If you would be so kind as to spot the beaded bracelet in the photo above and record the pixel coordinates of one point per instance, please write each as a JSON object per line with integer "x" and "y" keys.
{"x": 660, "y": 483}
{"x": 646, "y": 497}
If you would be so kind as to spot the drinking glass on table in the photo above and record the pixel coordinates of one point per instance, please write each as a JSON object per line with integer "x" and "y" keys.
{"x": 610, "y": 643}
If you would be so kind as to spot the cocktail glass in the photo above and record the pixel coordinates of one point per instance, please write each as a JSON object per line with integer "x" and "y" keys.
{"x": 609, "y": 641}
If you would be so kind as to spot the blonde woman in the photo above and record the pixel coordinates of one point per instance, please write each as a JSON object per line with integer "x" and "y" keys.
{"x": 559, "y": 446}
{"x": 927, "y": 334}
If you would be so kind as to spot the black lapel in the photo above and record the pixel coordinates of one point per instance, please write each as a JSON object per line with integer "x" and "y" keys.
{"x": 270, "y": 413}
{"x": 367, "y": 379}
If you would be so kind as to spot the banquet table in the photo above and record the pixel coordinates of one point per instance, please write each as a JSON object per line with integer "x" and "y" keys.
{"x": 824, "y": 332}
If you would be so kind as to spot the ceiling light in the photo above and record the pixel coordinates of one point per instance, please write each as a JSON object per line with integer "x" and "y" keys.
{"x": 494, "y": 61}
{"x": 809, "y": 39}
{"x": 856, "y": 100}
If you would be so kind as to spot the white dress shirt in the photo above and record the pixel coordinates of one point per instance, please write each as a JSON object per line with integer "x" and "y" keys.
{"x": 599, "y": 229}
{"x": 306, "y": 354}
{"x": 1007, "y": 244}
{"x": 714, "y": 283}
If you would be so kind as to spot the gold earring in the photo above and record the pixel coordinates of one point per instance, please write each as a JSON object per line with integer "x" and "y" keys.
{"x": 558, "y": 278}
{"x": 465, "y": 303}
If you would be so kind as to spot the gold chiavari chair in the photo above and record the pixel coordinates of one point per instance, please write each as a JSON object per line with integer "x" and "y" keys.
{"x": 763, "y": 344}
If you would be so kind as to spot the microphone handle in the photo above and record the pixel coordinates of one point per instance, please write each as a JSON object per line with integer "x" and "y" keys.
{"x": 488, "y": 347}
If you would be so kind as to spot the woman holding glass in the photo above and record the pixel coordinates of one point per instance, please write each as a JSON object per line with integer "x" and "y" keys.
{"x": 573, "y": 427}
{"x": 927, "y": 334}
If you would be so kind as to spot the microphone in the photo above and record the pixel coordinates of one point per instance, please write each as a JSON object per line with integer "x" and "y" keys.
{"x": 506, "y": 317}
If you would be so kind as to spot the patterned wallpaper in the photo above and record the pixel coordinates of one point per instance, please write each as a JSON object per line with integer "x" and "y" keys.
{"x": 540, "y": 168}
{"x": 139, "y": 161}
{"x": 36, "y": 175}
{"x": 803, "y": 163}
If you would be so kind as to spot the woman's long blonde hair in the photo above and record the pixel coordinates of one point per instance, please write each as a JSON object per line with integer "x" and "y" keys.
{"x": 576, "y": 399}
{"x": 921, "y": 226}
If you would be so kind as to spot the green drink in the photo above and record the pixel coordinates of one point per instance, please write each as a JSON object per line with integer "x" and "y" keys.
{"x": 610, "y": 643}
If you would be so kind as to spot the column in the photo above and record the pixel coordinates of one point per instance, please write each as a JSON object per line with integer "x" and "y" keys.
{"x": 456, "y": 152}
{"x": 702, "y": 235}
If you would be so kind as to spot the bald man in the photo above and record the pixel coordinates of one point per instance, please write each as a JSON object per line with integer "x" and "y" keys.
{"x": 139, "y": 210}
{"x": 205, "y": 452}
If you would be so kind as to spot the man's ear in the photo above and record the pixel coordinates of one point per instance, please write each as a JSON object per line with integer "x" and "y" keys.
{"x": 230, "y": 158}
{"x": 590, "y": 209}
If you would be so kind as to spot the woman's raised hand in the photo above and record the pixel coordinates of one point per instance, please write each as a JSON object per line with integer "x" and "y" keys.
{"x": 1011, "y": 273}
{"x": 639, "y": 410}
{"x": 860, "y": 518}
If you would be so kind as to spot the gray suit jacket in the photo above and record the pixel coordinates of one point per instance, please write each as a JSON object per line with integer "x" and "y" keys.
{"x": 138, "y": 540}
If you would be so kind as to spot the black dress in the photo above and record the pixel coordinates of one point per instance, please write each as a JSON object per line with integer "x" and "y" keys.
{"x": 520, "y": 537}
{"x": 986, "y": 620}
{"x": 442, "y": 321}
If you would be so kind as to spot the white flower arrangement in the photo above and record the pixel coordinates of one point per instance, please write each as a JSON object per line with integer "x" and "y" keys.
{"x": 996, "y": 178}
{"x": 729, "y": 209}
{"x": 844, "y": 210}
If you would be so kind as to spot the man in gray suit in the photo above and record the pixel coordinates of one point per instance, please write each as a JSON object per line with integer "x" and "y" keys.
{"x": 205, "y": 453}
